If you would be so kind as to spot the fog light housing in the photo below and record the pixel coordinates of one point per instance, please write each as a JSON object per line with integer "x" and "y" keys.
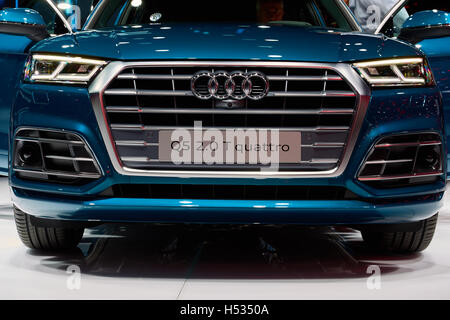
{"x": 28, "y": 155}
{"x": 428, "y": 159}
{"x": 403, "y": 160}
{"x": 55, "y": 156}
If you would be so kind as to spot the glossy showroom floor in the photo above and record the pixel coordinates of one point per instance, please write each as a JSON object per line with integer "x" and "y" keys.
{"x": 144, "y": 262}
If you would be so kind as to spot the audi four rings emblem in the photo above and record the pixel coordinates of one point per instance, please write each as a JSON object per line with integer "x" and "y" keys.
{"x": 236, "y": 85}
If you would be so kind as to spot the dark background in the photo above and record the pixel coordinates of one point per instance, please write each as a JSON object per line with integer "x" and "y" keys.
{"x": 443, "y": 5}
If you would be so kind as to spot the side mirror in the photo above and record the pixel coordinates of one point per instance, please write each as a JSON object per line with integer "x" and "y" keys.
{"x": 426, "y": 25}
{"x": 23, "y": 22}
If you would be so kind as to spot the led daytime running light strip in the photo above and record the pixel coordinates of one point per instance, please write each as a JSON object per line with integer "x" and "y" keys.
{"x": 389, "y": 62}
{"x": 68, "y": 59}
{"x": 393, "y": 64}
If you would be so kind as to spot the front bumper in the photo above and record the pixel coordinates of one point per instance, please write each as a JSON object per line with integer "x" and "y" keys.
{"x": 69, "y": 108}
{"x": 337, "y": 212}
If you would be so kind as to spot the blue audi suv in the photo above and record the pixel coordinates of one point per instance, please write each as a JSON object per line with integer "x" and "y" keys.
{"x": 272, "y": 112}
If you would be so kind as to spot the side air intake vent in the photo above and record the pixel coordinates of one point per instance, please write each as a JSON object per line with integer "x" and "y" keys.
{"x": 403, "y": 160}
{"x": 53, "y": 156}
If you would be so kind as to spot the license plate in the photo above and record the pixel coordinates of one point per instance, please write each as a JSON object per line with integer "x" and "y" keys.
{"x": 239, "y": 147}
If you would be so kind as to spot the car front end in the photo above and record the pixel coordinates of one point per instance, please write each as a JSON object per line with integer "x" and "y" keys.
{"x": 360, "y": 115}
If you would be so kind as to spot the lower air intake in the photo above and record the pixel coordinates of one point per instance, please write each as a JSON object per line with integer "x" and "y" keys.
{"x": 403, "y": 160}
{"x": 53, "y": 156}
{"x": 228, "y": 192}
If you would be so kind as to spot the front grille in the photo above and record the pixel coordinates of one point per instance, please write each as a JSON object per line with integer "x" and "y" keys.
{"x": 318, "y": 102}
{"x": 228, "y": 192}
{"x": 53, "y": 156}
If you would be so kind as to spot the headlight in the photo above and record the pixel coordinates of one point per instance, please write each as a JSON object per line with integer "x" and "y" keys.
{"x": 48, "y": 68}
{"x": 396, "y": 72}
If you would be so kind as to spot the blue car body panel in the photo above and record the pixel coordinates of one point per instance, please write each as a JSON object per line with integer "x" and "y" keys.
{"x": 13, "y": 53}
{"x": 21, "y": 15}
{"x": 427, "y": 18}
{"x": 230, "y": 211}
{"x": 437, "y": 51}
{"x": 230, "y": 42}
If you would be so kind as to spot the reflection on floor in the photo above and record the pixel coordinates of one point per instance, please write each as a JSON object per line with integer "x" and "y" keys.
{"x": 208, "y": 262}
{"x": 227, "y": 253}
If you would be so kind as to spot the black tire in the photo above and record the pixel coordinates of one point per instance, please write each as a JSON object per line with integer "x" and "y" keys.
{"x": 45, "y": 238}
{"x": 402, "y": 242}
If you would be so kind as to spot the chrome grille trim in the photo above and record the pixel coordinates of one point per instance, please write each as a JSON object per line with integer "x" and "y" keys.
{"x": 61, "y": 173}
{"x": 123, "y": 92}
{"x": 145, "y": 143}
{"x": 403, "y": 176}
{"x": 409, "y": 144}
{"x": 143, "y": 159}
{"x": 80, "y": 143}
{"x": 179, "y": 93}
{"x": 312, "y": 94}
{"x": 77, "y": 159}
{"x": 131, "y": 76}
{"x": 306, "y": 129}
{"x": 218, "y": 111}
{"x": 345, "y": 71}
{"x": 389, "y": 161}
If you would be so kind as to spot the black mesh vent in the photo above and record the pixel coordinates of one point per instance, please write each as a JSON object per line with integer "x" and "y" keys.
{"x": 228, "y": 192}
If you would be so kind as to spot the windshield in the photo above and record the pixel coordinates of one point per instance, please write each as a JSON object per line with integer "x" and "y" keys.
{"x": 323, "y": 13}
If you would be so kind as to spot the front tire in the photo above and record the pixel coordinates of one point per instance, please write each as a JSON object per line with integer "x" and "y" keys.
{"x": 45, "y": 238}
{"x": 402, "y": 242}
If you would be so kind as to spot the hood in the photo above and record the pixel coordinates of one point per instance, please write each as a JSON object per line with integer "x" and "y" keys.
{"x": 225, "y": 42}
